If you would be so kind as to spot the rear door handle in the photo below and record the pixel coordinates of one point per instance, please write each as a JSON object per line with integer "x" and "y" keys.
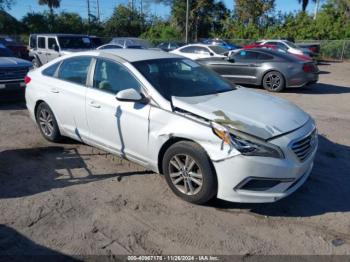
{"x": 54, "y": 90}
{"x": 93, "y": 104}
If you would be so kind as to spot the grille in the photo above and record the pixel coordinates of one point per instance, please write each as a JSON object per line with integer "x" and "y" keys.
{"x": 13, "y": 73}
{"x": 304, "y": 146}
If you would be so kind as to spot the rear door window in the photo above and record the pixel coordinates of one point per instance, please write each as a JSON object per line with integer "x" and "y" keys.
{"x": 75, "y": 70}
{"x": 246, "y": 55}
{"x": 52, "y": 43}
{"x": 51, "y": 70}
{"x": 189, "y": 49}
{"x": 262, "y": 56}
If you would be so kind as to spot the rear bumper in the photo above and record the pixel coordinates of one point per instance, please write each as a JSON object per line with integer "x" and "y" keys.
{"x": 302, "y": 79}
{"x": 12, "y": 91}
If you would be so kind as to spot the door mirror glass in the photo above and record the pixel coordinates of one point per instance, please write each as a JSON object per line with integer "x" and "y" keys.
{"x": 129, "y": 95}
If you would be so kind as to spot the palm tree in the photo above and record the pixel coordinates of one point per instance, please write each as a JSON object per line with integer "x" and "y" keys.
{"x": 51, "y": 4}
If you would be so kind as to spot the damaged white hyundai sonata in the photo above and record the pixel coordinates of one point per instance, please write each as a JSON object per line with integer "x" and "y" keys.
{"x": 173, "y": 116}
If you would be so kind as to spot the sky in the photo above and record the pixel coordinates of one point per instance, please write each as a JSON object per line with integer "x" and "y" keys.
{"x": 21, "y": 7}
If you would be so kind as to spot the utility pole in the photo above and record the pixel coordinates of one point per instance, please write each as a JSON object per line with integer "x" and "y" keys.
{"x": 88, "y": 7}
{"x": 98, "y": 10}
{"x": 187, "y": 11}
{"x": 316, "y": 8}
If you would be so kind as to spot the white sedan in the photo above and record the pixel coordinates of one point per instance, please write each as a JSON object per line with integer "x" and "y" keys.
{"x": 173, "y": 116}
{"x": 285, "y": 45}
{"x": 198, "y": 51}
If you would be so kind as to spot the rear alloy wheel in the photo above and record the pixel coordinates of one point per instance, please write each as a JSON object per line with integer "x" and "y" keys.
{"x": 47, "y": 123}
{"x": 188, "y": 172}
{"x": 273, "y": 81}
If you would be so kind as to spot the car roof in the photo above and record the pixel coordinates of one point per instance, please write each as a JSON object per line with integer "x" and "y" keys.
{"x": 60, "y": 34}
{"x": 134, "y": 55}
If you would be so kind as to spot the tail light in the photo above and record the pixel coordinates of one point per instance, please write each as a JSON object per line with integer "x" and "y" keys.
{"x": 27, "y": 80}
{"x": 307, "y": 68}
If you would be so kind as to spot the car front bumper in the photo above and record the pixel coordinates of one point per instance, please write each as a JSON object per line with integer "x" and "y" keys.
{"x": 288, "y": 173}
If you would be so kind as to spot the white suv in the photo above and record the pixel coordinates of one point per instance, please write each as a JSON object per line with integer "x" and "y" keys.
{"x": 173, "y": 116}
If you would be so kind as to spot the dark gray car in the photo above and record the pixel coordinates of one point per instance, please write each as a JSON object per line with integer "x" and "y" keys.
{"x": 262, "y": 67}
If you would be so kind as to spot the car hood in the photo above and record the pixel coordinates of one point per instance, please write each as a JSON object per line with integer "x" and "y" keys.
{"x": 13, "y": 62}
{"x": 254, "y": 113}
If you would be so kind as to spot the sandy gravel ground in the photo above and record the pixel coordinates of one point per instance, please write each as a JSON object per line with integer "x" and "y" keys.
{"x": 71, "y": 199}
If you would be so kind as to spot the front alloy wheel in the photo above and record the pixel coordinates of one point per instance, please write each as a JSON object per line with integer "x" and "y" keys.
{"x": 189, "y": 172}
{"x": 185, "y": 174}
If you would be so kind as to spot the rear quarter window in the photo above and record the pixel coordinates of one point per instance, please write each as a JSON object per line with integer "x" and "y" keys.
{"x": 75, "y": 70}
{"x": 51, "y": 70}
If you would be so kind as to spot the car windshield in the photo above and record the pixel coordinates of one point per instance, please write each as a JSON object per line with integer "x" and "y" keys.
{"x": 4, "y": 52}
{"x": 217, "y": 49}
{"x": 181, "y": 77}
{"x": 75, "y": 42}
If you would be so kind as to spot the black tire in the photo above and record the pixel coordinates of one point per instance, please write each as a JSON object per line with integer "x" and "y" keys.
{"x": 47, "y": 123}
{"x": 273, "y": 81}
{"x": 201, "y": 194}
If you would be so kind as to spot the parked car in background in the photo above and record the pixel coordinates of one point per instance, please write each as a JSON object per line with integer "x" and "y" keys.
{"x": 197, "y": 51}
{"x": 110, "y": 46}
{"x": 46, "y": 47}
{"x": 222, "y": 43}
{"x": 170, "y": 114}
{"x": 169, "y": 46}
{"x": 12, "y": 75}
{"x": 287, "y": 46}
{"x": 314, "y": 48}
{"x": 18, "y": 49}
{"x": 131, "y": 42}
{"x": 263, "y": 67}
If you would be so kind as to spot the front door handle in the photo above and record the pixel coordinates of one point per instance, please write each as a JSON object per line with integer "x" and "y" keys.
{"x": 253, "y": 65}
{"x": 54, "y": 90}
{"x": 93, "y": 104}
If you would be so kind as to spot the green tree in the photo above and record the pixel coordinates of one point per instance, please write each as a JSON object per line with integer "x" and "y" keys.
{"x": 205, "y": 16}
{"x": 253, "y": 11}
{"x": 36, "y": 22}
{"x": 66, "y": 22}
{"x": 51, "y": 4}
{"x": 161, "y": 30}
{"x": 9, "y": 24}
{"x": 125, "y": 22}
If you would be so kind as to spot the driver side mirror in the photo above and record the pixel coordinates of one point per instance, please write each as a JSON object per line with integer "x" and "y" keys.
{"x": 130, "y": 95}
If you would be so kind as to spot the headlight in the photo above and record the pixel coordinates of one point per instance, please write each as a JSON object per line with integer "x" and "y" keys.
{"x": 247, "y": 145}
